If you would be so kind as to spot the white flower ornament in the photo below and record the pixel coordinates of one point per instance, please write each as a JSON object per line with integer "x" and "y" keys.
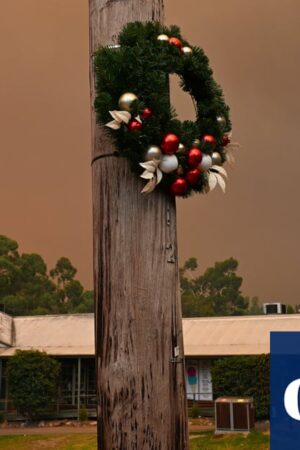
{"x": 151, "y": 173}
{"x": 120, "y": 117}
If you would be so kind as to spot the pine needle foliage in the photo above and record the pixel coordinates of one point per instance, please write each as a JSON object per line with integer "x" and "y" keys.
{"x": 142, "y": 65}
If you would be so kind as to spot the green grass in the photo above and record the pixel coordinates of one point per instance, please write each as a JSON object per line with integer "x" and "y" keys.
{"x": 205, "y": 441}
{"x": 49, "y": 441}
{"x": 208, "y": 441}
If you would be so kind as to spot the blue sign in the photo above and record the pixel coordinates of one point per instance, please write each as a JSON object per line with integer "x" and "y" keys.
{"x": 285, "y": 388}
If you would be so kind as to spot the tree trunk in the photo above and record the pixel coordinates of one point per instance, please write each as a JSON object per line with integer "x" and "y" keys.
{"x": 139, "y": 348}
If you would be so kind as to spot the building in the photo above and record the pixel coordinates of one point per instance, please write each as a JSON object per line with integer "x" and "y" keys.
{"x": 70, "y": 338}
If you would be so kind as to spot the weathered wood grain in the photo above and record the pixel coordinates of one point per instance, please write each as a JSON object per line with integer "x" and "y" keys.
{"x": 141, "y": 392}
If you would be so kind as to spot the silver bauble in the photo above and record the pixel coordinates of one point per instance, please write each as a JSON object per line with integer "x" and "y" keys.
{"x": 126, "y": 100}
{"x": 168, "y": 164}
{"x": 216, "y": 158}
{"x": 187, "y": 50}
{"x": 206, "y": 162}
{"x": 163, "y": 37}
{"x": 196, "y": 143}
{"x": 153, "y": 152}
{"x": 181, "y": 149}
{"x": 221, "y": 121}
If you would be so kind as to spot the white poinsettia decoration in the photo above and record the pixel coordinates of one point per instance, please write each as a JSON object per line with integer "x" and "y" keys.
{"x": 120, "y": 117}
{"x": 152, "y": 173}
{"x": 215, "y": 177}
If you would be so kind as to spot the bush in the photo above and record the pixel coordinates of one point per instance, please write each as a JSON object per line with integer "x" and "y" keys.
{"x": 32, "y": 381}
{"x": 247, "y": 376}
{"x": 194, "y": 412}
{"x": 83, "y": 415}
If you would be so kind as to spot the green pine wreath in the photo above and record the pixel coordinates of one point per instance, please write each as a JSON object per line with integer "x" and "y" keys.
{"x": 132, "y": 100}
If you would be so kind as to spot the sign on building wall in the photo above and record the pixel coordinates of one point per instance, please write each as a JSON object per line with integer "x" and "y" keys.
{"x": 198, "y": 380}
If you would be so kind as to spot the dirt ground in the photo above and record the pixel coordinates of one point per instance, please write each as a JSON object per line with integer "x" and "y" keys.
{"x": 201, "y": 424}
{"x": 72, "y": 426}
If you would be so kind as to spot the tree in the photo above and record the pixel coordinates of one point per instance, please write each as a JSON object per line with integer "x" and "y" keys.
{"x": 33, "y": 381}
{"x": 290, "y": 309}
{"x": 215, "y": 293}
{"x": 63, "y": 271}
{"x": 24, "y": 282}
{"x": 255, "y": 308}
{"x": 26, "y": 288}
{"x": 8, "y": 247}
{"x": 9, "y": 271}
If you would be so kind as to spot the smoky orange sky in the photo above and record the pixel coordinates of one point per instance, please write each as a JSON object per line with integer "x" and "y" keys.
{"x": 45, "y": 183}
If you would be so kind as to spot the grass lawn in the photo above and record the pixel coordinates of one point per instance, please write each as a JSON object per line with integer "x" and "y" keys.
{"x": 49, "y": 441}
{"x": 204, "y": 441}
{"x": 208, "y": 441}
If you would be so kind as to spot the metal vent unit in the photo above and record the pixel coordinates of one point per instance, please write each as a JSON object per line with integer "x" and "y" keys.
{"x": 274, "y": 308}
{"x": 234, "y": 414}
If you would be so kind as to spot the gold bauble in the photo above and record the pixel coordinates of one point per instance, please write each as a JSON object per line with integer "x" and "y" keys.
{"x": 163, "y": 37}
{"x": 180, "y": 170}
{"x": 216, "y": 158}
{"x": 153, "y": 152}
{"x": 221, "y": 121}
{"x": 181, "y": 149}
{"x": 196, "y": 143}
{"x": 187, "y": 50}
{"x": 126, "y": 100}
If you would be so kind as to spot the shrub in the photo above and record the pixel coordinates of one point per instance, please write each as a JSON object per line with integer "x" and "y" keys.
{"x": 247, "y": 376}
{"x": 32, "y": 381}
{"x": 194, "y": 412}
{"x": 83, "y": 415}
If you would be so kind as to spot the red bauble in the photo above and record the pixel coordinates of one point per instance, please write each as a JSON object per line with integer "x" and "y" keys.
{"x": 179, "y": 186}
{"x": 209, "y": 139}
{"x": 175, "y": 41}
{"x": 146, "y": 113}
{"x": 225, "y": 140}
{"x": 194, "y": 157}
{"x": 193, "y": 176}
{"x": 169, "y": 144}
{"x": 134, "y": 125}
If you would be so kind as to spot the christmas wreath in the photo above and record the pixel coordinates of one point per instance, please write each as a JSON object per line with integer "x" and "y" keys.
{"x": 132, "y": 101}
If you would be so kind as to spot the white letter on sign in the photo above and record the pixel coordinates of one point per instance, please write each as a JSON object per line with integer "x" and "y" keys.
{"x": 291, "y": 399}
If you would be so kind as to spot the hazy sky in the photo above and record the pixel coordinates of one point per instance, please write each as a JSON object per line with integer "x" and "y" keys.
{"x": 45, "y": 183}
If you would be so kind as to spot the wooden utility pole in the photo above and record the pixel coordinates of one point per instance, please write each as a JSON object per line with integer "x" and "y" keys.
{"x": 139, "y": 345}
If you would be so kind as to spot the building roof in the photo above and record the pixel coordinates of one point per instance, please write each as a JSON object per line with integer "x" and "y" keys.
{"x": 73, "y": 334}
{"x": 243, "y": 335}
{"x": 68, "y": 334}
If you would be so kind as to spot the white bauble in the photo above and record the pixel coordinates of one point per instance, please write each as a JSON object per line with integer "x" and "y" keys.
{"x": 163, "y": 38}
{"x": 206, "y": 162}
{"x": 187, "y": 50}
{"x": 168, "y": 164}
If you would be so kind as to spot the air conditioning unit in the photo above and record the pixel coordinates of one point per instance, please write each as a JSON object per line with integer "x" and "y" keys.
{"x": 234, "y": 414}
{"x": 274, "y": 308}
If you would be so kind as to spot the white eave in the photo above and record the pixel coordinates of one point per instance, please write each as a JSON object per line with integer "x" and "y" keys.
{"x": 73, "y": 335}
